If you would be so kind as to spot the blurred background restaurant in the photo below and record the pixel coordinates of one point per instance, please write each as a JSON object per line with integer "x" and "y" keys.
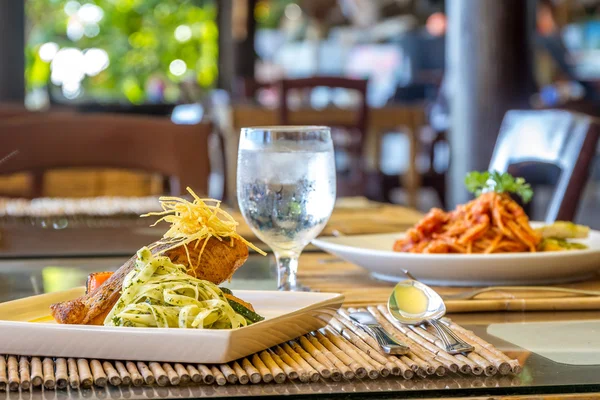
{"x": 417, "y": 90}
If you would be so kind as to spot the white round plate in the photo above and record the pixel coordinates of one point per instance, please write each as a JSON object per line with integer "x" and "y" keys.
{"x": 374, "y": 253}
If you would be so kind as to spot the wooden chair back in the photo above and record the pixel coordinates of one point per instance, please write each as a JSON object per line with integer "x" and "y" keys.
{"x": 51, "y": 141}
{"x": 353, "y": 181}
{"x": 560, "y": 138}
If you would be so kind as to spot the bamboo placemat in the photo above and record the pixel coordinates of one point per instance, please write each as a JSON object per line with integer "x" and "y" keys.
{"x": 326, "y": 273}
{"x": 351, "y": 216}
{"x": 339, "y": 351}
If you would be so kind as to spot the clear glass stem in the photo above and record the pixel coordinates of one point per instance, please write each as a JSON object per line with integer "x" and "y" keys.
{"x": 287, "y": 271}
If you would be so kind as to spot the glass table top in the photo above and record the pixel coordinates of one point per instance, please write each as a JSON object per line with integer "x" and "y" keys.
{"x": 560, "y": 351}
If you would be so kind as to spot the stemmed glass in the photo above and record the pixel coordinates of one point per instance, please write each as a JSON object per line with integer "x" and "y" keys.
{"x": 286, "y": 190}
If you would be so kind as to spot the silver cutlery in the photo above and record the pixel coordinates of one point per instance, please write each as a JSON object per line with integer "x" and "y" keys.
{"x": 370, "y": 325}
{"x": 414, "y": 303}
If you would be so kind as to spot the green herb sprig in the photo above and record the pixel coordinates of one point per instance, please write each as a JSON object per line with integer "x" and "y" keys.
{"x": 482, "y": 182}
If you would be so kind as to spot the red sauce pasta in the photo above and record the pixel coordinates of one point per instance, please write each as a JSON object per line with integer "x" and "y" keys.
{"x": 492, "y": 223}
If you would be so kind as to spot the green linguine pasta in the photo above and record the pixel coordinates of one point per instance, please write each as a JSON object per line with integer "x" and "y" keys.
{"x": 159, "y": 293}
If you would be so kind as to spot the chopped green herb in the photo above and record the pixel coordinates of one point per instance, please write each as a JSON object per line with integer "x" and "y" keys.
{"x": 483, "y": 182}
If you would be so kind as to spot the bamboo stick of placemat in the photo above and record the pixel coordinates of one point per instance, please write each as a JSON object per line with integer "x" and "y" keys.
{"x": 265, "y": 372}
{"x": 146, "y": 373}
{"x": 491, "y": 353}
{"x": 48, "y": 371}
{"x": 123, "y": 373}
{"x": 73, "y": 373}
{"x": 3, "y": 375}
{"x": 358, "y": 349}
{"x": 207, "y": 375}
{"x": 367, "y": 344}
{"x": 414, "y": 339}
{"x": 182, "y": 373}
{"x": 488, "y": 368}
{"x": 464, "y": 364}
{"x": 320, "y": 357}
{"x": 432, "y": 343}
{"x": 311, "y": 371}
{"x": 62, "y": 373}
{"x": 159, "y": 373}
{"x": 195, "y": 375}
{"x": 372, "y": 347}
{"x": 241, "y": 374}
{"x": 219, "y": 378}
{"x": 311, "y": 365}
{"x": 228, "y": 373}
{"x": 474, "y": 363}
{"x": 24, "y": 373}
{"x": 85, "y": 374}
{"x": 36, "y": 372}
{"x": 426, "y": 340}
{"x": 114, "y": 378}
{"x": 420, "y": 357}
{"x": 136, "y": 377}
{"x": 323, "y": 370}
{"x": 289, "y": 371}
{"x": 276, "y": 371}
{"x": 13, "y": 373}
{"x": 171, "y": 374}
{"x": 303, "y": 374}
{"x": 363, "y": 366}
{"x": 253, "y": 373}
{"x": 339, "y": 364}
{"x": 98, "y": 373}
{"x": 430, "y": 364}
{"x": 357, "y": 370}
{"x": 373, "y": 360}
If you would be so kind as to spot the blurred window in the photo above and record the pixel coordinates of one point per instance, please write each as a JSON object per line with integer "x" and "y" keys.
{"x": 136, "y": 51}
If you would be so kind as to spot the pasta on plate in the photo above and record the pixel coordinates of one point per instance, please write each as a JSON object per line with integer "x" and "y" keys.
{"x": 492, "y": 223}
{"x": 159, "y": 293}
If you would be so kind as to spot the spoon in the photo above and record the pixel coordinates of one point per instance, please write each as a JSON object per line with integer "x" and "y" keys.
{"x": 414, "y": 303}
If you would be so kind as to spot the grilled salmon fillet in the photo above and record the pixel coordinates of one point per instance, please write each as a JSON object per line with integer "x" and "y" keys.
{"x": 218, "y": 263}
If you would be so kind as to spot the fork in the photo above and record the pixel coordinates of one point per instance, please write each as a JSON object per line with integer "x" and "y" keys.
{"x": 470, "y": 294}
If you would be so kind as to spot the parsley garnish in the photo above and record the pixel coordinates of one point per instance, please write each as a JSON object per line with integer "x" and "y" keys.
{"x": 482, "y": 182}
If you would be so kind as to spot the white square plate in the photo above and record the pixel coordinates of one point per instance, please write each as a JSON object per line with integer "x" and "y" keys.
{"x": 287, "y": 316}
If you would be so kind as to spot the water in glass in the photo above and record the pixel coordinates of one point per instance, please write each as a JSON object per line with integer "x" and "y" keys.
{"x": 286, "y": 190}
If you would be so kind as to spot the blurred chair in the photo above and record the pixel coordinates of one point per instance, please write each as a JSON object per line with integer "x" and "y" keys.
{"x": 247, "y": 88}
{"x": 433, "y": 151}
{"x": 530, "y": 140}
{"x": 46, "y": 141}
{"x": 348, "y": 139}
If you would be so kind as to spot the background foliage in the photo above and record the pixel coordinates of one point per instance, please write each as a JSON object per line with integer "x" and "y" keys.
{"x": 138, "y": 36}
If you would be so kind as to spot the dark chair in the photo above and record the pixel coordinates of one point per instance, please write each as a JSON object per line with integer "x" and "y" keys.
{"x": 46, "y": 141}
{"x": 348, "y": 138}
{"x": 530, "y": 140}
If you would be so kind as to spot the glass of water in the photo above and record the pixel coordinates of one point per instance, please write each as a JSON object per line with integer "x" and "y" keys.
{"x": 286, "y": 190}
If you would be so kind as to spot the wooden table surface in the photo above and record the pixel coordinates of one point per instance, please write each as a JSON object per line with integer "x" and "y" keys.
{"x": 408, "y": 117}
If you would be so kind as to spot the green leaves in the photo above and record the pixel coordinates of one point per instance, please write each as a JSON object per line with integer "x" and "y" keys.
{"x": 482, "y": 182}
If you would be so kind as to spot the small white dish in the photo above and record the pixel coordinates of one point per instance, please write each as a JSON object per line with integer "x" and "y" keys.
{"x": 374, "y": 253}
{"x": 287, "y": 316}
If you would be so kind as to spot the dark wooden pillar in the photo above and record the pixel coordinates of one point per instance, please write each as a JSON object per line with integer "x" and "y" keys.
{"x": 226, "y": 48}
{"x": 245, "y": 53}
{"x": 488, "y": 72}
{"x": 12, "y": 51}
{"x": 237, "y": 28}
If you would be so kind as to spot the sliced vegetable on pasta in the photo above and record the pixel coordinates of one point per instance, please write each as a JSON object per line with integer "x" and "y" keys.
{"x": 159, "y": 293}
